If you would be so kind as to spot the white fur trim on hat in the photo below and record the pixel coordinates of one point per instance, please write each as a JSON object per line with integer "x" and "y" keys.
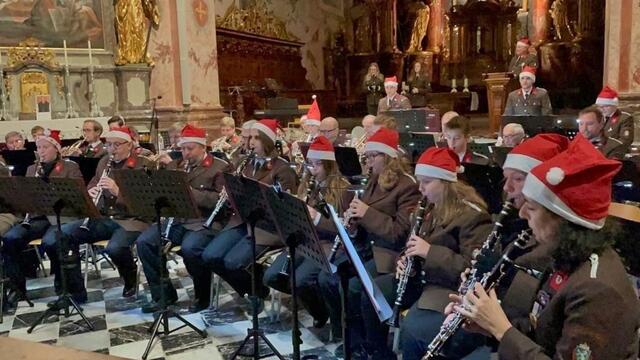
{"x": 265, "y": 130}
{"x": 520, "y": 162}
{"x": 118, "y": 135}
{"x": 435, "y": 172}
{"x": 313, "y": 122}
{"x": 321, "y": 155}
{"x": 390, "y": 83}
{"x": 247, "y": 125}
{"x": 529, "y": 74}
{"x": 607, "y": 101}
{"x": 537, "y": 190}
{"x": 380, "y": 147}
{"x": 50, "y": 140}
{"x": 197, "y": 140}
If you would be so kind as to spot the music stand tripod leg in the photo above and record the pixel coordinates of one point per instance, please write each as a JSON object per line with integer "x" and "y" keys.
{"x": 21, "y": 295}
{"x": 344, "y": 274}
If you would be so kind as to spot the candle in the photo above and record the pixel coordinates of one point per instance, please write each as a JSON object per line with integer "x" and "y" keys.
{"x": 90, "y": 58}
{"x": 453, "y": 84}
{"x": 66, "y": 61}
{"x": 466, "y": 82}
{"x": 478, "y": 39}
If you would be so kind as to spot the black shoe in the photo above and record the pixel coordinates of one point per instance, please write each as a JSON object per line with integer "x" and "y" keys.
{"x": 154, "y": 306}
{"x": 356, "y": 354}
{"x": 129, "y": 291}
{"x": 320, "y": 322}
{"x": 198, "y": 306}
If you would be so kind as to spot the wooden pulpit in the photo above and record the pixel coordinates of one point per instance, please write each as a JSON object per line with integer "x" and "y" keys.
{"x": 496, "y": 96}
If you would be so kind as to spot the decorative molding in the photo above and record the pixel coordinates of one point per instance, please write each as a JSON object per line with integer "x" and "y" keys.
{"x": 256, "y": 19}
{"x": 31, "y": 52}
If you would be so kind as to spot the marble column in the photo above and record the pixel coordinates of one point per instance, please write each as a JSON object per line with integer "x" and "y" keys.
{"x": 540, "y": 24}
{"x": 186, "y": 64}
{"x": 436, "y": 23}
{"x": 622, "y": 51}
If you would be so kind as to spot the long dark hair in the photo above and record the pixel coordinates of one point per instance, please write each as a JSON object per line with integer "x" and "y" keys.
{"x": 576, "y": 243}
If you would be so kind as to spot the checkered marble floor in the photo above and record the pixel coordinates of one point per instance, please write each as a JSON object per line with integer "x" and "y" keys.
{"x": 120, "y": 328}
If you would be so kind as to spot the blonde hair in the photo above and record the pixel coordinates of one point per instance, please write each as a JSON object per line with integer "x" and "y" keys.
{"x": 228, "y": 121}
{"x": 455, "y": 197}
{"x": 390, "y": 175}
{"x": 333, "y": 188}
{"x": 386, "y": 121}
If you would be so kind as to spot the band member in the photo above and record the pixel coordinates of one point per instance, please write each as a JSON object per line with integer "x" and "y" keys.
{"x": 330, "y": 129}
{"x": 329, "y": 185}
{"x": 619, "y": 124}
{"x": 51, "y": 165}
{"x": 456, "y": 226}
{"x": 204, "y": 177}
{"x": 14, "y": 140}
{"x": 393, "y": 100}
{"x": 173, "y": 133}
{"x": 587, "y": 307}
{"x": 512, "y": 135}
{"x": 36, "y": 132}
{"x": 591, "y": 123}
{"x": 380, "y": 222}
{"x": 528, "y": 100}
{"x": 368, "y": 125}
{"x": 120, "y": 229}
{"x": 91, "y": 146}
{"x": 418, "y": 85}
{"x": 229, "y": 139}
{"x": 229, "y": 253}
{"x": 311, "y": 125}
{"x": 245, "y": 138}
{"x": 6, "y": 220}
{"x": 137, "y": 149}
{"x": 457, "y": 133}
{"x": 522, "y": 57}
{"x": 373, "y": 86}
{"x": 116, "y": 121}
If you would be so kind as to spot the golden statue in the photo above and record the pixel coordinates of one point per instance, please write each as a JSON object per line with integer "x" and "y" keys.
{"x": 559, "y": 14}
{"x": 419, "y": 31}
{"x": 131, "y": 28}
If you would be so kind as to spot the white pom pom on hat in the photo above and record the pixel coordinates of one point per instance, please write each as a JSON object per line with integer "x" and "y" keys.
{"x": 554, "y": 176}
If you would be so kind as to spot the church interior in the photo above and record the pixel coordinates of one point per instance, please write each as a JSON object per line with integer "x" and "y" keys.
{"x": 159, "y": 68}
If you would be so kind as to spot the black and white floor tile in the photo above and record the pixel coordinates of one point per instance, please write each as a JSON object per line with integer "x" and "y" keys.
{"x": 121, "y": 329}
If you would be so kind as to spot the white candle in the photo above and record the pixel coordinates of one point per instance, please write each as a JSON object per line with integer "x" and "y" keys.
{"x": 453, "y": 84}
{"x": 455, "y": 2}
{"x": 478, "y": 39}
{"x": 90, "y": 57}
{"x": 66, "y": 61}
{"x": 466, "y": 82}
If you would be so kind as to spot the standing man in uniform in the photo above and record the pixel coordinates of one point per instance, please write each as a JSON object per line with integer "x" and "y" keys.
{"x": 393, "y": 100}
{"x": 522, "y": 57}
{"x": 528, "y": 100}
{"x": 618, "y": 124}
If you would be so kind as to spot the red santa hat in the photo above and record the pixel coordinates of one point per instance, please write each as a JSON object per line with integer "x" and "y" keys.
{"x": 192, "y": 134}
{"x": 268, "y": 127}
{"x": 439, "y": 163}
{"x": 529, "y": 71}
{"x": 52, "y": 137}
{"x": 321, "y": 149}
{"x": 313, "y": 115}
{"x": 534, "y": 151}
{"x": 391, "y": 81}
{"x": 385, "y": 141}
{"x": 575, "y": 185}
{"x": 607, "y": 96}
{"x": 524, "y": 41}
{"x": 122, "y": 132}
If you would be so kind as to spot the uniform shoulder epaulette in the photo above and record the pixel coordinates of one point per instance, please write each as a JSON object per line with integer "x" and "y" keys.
{"x": 283, "y": 159}
{"x": 625, "y": 113}
{"x": 615, "y": 140}
{"x": 542, "y": 90}
{"x": 480, "y": 155}
{"x": 219, "y": 159}
{"x": 410, "y": 177}
{"x": 472, "y": 205}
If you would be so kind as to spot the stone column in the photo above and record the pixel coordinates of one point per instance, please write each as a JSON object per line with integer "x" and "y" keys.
{"x": 186, "y": 64}
{"x": 540, "y": 24}
{"x": 436, "y": 23}
{"x": 622, "y": 51}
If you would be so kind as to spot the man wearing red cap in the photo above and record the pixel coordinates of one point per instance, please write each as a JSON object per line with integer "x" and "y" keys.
{"x": 119, "y": 228}
{"x": 591, "y": 124}
{"x": 586, "y": 307}
{"x": 522, "y": 57}
{"x": 204, "y": 175}
{"x": 618, "y": 124}
{"x": 393, "y": 100}
{"x": 528, "y": 100}
{"x": 50, "y": 165}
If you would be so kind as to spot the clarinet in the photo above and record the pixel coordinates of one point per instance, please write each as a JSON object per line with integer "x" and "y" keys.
{"x": 404, "y": 278}
{"x": 96, "y": 199}
{"x": 345, "y": 221}
{"x": 26, "y": 222}
{"x": 167, "y": 230}
{"x": 223, "y": 194}
{"x": 489, "y": 281}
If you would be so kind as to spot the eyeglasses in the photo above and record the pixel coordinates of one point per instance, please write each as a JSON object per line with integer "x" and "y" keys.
{"x": 328, "y": 131}
{"x": 115, "y": 145}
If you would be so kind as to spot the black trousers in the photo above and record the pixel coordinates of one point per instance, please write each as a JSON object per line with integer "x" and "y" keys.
{"x": 14, "y": 242}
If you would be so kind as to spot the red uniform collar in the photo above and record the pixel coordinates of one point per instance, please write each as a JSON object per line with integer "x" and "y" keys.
{"x": 533, "y": 90}
{"x": 132, "y": 161}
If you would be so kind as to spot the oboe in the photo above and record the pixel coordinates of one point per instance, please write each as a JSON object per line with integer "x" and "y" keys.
{"x": 98, "y": 196}
{"x": 169, "y": 225}
{"x": 489, "y": 280}
{"x": 26, "y": 222}
{"x": 404, "y": 277}
{"x": 223, "y": 194}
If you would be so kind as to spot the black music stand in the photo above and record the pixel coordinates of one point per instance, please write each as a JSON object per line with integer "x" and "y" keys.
{"x": 11, "y": 201}
{"x": 416, "y": 120}
{"x": 533, "y": 125}
{"x": 20, "y": 160}
{"x": 88, "y": 166}
{"x": 416, "y": 143}
{"x": 488, "y": 181}
{"x": 348, "y": 161}
{"x": 299, "y": 233}
{"x": 248, "y": 200}
{"x": 499, "y": 154}
{"x": 157, "y": 194}
{"x": 377, "y": 299}
{"x": 60, "y": 197}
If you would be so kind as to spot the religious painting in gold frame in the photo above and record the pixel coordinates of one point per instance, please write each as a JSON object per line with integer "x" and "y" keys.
{"x": 32, "y": 83}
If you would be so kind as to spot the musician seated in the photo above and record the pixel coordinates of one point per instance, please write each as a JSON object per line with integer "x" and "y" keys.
{"x": 368, "y": 125}
{"x": 528, "y": 100}
{"x": 242, "y": 151}
{"x": 618, "y": 124}
{"x": 115, "y": 122}
{"x": 512, "y": 135}
{"x": 36, "y": 132}
{"x": 137, "y": 149}
{"x": 321, "y": 181}
{"x": 229, "y": 254}
{"x": 591, "y": 124}
{"x": 14, "y": 141}
{"x": 310, "y": 124}
{"x": 457, "y": 224}
{"x": 229, "y": 139}
{"x": 444, "y": 119}
{"x": 458, "y": 135}
{"x": 91, "y": 146}
{"x": 206, "y": 181}
{"x": 393, "y": 100}
{"x": 380, "y": 221}
{"x": 330, "y": 129}
{"x": 51, "y": 165}
{"x": 173, "y": 133}
{"x": 119, "y": 228}
{"x": 587, "y": 307}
